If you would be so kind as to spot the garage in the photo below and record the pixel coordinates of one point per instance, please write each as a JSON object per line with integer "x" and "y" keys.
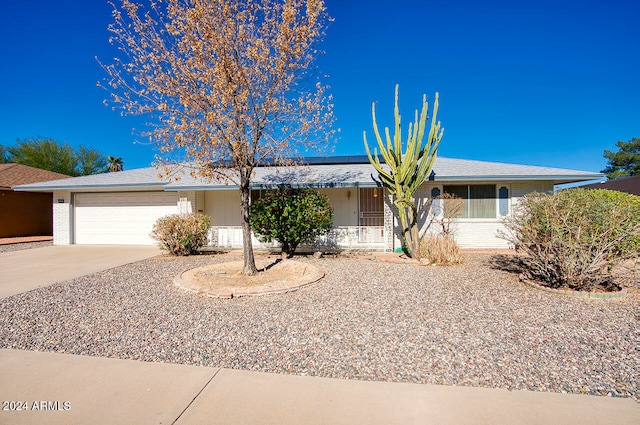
{"x": 124, "y": 218}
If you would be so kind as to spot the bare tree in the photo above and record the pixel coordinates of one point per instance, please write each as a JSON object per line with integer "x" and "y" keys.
{"x": 229, "y": 85}
{"x": 446, "y": 209}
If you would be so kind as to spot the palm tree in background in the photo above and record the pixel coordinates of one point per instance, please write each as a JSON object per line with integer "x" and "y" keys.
{"x": 114, "y": 164}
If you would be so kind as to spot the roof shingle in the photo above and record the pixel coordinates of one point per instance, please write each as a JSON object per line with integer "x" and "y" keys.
{"x": 16, "y": 174}
{"x": 330, "y": 174}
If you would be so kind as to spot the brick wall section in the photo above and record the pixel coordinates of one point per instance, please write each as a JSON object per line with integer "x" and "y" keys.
{"x": 389, "y": 222}
{"x": 62, "y": 218}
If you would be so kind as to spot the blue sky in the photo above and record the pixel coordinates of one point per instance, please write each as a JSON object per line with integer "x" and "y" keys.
{"x": 550, "y": 83}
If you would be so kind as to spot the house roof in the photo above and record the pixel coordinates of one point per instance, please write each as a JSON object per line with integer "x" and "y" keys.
{"x": 17, "y": 174}
{"x": 319, "y": 172}
{"x": 625, "y": 184}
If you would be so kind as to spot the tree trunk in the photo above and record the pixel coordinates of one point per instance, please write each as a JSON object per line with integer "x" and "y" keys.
{"x": 410, "y": 232}
{"x": 247, "y": 245}
{"x": 415, "y": 234}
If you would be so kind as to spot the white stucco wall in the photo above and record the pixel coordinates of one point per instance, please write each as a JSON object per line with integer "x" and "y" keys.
{"x": 345, "y": 205}
{"x": 223, "y": 206}
{"x": 472, "y": 232}
{"x": 200, "y": 201}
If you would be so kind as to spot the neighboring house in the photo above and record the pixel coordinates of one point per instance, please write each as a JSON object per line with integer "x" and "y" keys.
{"x": 120, "y": 208}
{"x": 25, "y": 213}
{"x": 624, "y": 184}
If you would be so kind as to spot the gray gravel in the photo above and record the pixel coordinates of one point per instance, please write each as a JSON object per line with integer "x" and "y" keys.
{"x": 21, "y": 246}
{"x": 466, "y": 325}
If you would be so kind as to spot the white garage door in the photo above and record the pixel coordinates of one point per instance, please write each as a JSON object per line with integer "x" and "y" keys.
{"x": 120, "y": 218}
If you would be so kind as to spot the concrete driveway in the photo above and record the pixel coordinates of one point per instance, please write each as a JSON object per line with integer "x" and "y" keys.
{"x": 22, "y": 271}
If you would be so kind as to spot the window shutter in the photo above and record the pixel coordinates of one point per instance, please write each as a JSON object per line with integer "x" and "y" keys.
{"x": 503, "y": 195}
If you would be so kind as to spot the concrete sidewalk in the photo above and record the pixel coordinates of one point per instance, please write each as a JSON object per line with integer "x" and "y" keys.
{"x": 69, "y": 389}
{"x": 28, "y": 269}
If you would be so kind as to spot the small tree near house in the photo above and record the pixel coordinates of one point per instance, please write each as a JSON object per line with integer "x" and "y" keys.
{"x": 291, "y": 217}
{"x": 228, "y": 85}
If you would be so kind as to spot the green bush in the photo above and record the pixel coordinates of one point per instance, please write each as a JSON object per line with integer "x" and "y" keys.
{"x": 577, "y": 239}
{"x": 181, "y": 234}
{"x": 291, "y": 217}
{"x": 440, "y": 250}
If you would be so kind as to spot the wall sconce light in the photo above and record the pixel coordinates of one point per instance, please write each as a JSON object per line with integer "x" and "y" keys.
{"x": 375, "y": 192}
{"x": 348, "y": 194}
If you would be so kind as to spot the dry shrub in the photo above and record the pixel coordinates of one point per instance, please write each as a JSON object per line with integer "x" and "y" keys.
{"x": 440, "y": 250}
{"x": 447, "y": 208}
{"x": 578, "y": 239}
{"x": 182, "y": 234}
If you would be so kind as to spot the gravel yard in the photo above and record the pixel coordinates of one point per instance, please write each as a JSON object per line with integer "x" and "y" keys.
{"x": 465, "y": 325}
{"x": 21, "y": 246}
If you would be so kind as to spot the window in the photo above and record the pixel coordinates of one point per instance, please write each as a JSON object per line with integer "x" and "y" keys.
{"x": 480, "y": 199}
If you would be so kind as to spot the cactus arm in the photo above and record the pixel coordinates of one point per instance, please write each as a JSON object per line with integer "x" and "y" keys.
{"x": 435, "y": 126}
{"x": 396, "y": 115}
{"x": 423, "y": 120}
{"x": 385, "y": 177}
{"x": 384, "y": 151}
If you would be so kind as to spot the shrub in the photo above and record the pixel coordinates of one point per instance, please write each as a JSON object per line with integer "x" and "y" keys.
{"x": 576, "y": 238}
{"x": 181, "y": 234}
{"x": 291, "y": 217}
{"x": 441, "y": 250}
{"x": 439, "y": 247}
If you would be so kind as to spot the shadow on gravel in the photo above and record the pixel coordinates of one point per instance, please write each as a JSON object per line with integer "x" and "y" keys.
{"x": 507, "y": 263}
{"x": 23, "y": 246}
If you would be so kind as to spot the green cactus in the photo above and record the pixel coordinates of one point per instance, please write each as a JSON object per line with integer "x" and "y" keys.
{"x": 406, "y": 171}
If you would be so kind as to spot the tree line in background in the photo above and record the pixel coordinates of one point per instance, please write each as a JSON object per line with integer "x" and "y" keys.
{"x": 48, "y": 154}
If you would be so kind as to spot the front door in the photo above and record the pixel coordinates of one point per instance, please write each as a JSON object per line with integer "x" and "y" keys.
{"x": 371, "y": 215}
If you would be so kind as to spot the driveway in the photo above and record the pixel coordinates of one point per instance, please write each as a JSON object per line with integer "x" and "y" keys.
{"x": 24, "y": 270}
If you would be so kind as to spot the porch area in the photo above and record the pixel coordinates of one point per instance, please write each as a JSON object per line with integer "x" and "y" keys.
{"x": 339, "y": 239}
